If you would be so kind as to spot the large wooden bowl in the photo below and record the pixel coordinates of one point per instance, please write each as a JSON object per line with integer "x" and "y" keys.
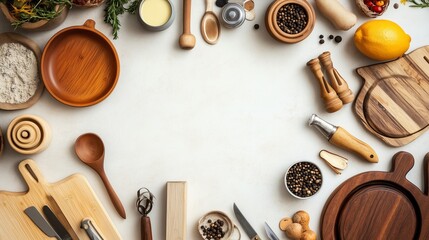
{"x": 41, "y": 25}
{"x": 278, "y": 34}
{"x": 10, "y": 37}
{"x": 80, "y": 66}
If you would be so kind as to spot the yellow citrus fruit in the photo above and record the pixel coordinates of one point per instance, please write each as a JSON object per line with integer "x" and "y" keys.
{"x": 381, "y": 40}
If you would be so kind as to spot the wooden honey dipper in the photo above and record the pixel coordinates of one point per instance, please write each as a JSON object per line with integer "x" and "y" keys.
{"x": 337, "y": 81}
{"x": 329, "y": 96}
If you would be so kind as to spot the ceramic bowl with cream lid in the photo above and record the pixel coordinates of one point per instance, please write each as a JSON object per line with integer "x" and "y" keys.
{"x": 156, "y": 15}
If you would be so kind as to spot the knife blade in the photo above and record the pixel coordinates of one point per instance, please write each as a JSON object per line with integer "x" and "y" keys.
{"x": 40, "y": 222}
{"x": 248, "y": 229}
{"x": 60, "y": 215}
{"x": 55, "y": 223}
{"x": 270, "y": 232}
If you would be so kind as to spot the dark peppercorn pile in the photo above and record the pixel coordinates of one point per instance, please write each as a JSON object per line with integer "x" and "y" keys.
{"x": 213, "y": 230}
{"x": 292, "y": 18}
{"x": 304, "y": 179}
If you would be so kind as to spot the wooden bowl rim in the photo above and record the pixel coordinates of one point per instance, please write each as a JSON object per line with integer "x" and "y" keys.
{"x": 11, "y": 37}
{"x": 88, "y": 26}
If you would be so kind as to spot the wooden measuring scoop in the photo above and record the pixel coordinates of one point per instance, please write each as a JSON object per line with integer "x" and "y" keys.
{"x": 90, "y": 150}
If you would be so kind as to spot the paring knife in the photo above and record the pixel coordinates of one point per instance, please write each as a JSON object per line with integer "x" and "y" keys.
{"x": 251, "y": 233}
{"x": 40, "y": 222}
{"x": 270, "y": 232}
{"x": 56, "y": 224}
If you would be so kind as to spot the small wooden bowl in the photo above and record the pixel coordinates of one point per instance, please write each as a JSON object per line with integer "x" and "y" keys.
{"x": 41, "y": 25}
{"x": 368, "y": 12}
{"x": 278, "y": 34}
{"x": 80, "y": 66}
{"x": 10, "y": 37}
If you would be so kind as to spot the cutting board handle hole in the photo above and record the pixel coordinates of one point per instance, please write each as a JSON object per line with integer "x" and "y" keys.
{"x": 426, "y": 58}
{"x": 27, "y": 166}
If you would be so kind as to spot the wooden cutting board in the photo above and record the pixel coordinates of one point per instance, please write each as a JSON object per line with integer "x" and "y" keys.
{"x": 72, "y": 196}
{"x": 379, "y": 205}
{"x": 393, "y": 103}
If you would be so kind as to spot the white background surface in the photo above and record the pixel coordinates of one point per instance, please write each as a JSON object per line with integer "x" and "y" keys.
{"x": 229, "y": 119}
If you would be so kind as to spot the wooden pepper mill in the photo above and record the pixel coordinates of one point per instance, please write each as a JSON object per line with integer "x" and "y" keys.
{"x": 337, "y": 81}
{"x": 329, "y": 96}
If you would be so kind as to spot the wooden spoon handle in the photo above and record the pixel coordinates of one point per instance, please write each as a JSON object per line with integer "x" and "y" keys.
{"x": 146, "y": 229}
{"x": 112, "y": 194}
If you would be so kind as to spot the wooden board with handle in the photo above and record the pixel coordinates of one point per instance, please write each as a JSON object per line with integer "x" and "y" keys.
{"x": 393, "y": 103}
{"x": 71, "y": 198}
{"x": 379, "y": 205}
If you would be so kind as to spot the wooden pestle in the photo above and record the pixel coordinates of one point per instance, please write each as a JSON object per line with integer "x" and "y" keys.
{"x": 330, "y": 97}
{"x": 337, "y": 81}
{"x": 187, "y": 40}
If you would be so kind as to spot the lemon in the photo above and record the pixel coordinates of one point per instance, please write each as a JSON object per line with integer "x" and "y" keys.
{"x": 381, "y": 40}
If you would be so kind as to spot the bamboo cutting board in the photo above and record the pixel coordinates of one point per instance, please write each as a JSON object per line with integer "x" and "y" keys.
{"x": 393, "y": 103}
{"x": 379, "y": 205}
{"x": 72, "y": 196}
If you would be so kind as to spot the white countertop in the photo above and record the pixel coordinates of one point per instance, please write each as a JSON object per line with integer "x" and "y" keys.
{"x": 229, "y": 119}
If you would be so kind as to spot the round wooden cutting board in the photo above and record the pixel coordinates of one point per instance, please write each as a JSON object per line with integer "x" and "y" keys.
{"x": 379, "y": 205}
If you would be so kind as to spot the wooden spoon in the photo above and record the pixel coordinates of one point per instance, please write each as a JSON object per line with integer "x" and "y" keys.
{"x": 187, "y": 40}
{"x": 90, "y": 150}
{"x": 210, "y": 25}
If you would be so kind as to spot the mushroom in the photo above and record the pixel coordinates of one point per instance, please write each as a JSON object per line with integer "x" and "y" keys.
{"x": 302, "y": 218}
{"x": 294, "y": 231}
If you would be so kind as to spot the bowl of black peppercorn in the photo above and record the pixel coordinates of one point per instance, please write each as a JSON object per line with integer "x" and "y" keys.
{"x": 215, "y": 225}
{"x": 303, "y": 179}
{"x": 290, "y": 21}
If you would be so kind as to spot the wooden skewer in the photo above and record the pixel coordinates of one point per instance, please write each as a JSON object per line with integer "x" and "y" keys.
{"x": 337, "y": 81}
{"x": 330, "y": 97}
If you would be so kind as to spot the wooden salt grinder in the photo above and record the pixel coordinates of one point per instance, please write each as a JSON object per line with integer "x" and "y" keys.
{"x": 329, "y": 96}
{"x": 337, "y": 81}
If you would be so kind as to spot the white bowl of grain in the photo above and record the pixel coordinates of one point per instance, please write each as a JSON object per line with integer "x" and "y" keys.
{"x": 20, "y": 81}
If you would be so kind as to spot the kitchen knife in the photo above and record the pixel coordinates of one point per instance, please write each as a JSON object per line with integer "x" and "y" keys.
{"x": 55, "y": 223}
{"x": 90, "y": 230}
{"x": 40, "y": 222}
{"x": 270, "y": 232}
{"x": 251, "y": 233}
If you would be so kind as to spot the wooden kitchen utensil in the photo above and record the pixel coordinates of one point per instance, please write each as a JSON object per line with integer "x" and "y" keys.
{"x": 393, "y": 101}
{"x": 176, "y": 210}
{"x": 337, "y": 81}
{"x": 329, "y": 96}
{"x": 379, "y": 205}
{"x": 187, "y": 40}
{"x": 210, "y": 25}
{"x": 72, "y": 197}
{"x": 90, "y": 150}
{"x": 80, "y": 66}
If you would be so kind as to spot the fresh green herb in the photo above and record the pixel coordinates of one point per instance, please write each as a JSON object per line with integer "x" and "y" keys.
{"x": 421, "y": 4}
{"x": 32, "y": 11}
{"x": 115, "y": 8}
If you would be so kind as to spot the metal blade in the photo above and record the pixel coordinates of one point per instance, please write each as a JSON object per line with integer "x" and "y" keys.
{"x": 251, "y": 233}
{"x": 40, "y": 222}
{"x": 55, "y": 223}
{"x": 270, "y": 232}
{"x": 60, "y": 215}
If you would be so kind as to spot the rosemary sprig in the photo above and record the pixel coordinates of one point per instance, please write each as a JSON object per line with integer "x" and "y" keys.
{"x": 115, "y": 8}
{"x": 421, "y": 4}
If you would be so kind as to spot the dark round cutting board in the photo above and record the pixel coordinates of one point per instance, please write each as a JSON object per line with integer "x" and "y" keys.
{"x": 379, "y": 205}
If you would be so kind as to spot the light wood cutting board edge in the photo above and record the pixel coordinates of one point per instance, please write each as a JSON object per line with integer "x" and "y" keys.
{"x": 73, "y": 194}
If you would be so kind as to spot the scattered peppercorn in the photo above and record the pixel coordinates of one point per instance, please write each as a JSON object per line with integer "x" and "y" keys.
{"x": 321, "y": 41}
{"x": 213, "y": 230}
{"x": 396, "y": 6}
{"x": 331, "y": 36}
{"x": 338, "y": 39}
{"x": 303, "y": 179}
{"x": 256, "y": 26}
{"x": 221, "y": 3}
{"x": 321, "y": 36}
{"x": 292, "y": 18}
